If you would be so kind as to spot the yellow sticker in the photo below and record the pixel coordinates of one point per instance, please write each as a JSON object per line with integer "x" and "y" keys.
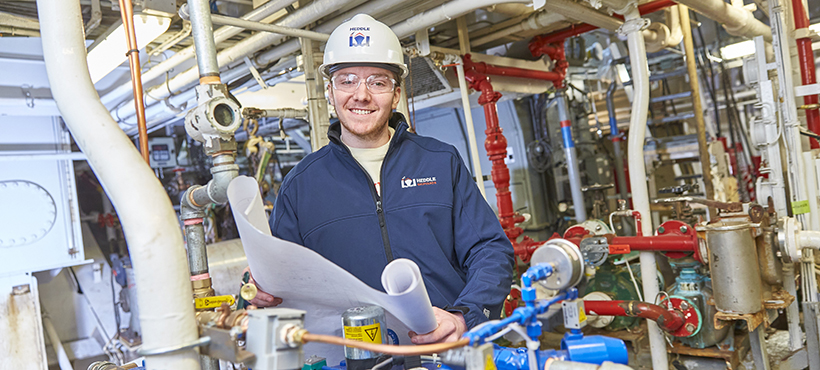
{"x": 800, "y": 207}
{"x": 368, "y": 333}
{"x": 489, "y": 364}
{"x": 213, "y": 302}
{"x": 582, "y": 316}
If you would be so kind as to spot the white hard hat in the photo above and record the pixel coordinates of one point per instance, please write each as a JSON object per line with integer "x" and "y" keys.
{"x": 363, "y": 40}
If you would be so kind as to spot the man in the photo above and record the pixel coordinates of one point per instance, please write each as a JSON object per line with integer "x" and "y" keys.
{"x": 378, "y": 192}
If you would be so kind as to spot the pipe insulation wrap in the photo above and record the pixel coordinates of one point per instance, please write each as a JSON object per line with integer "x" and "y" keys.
{"x": 809, "y": 239}
{"x": 737, "y": 21}
{"x": 637, "y": 179}
{"x": 144, "y": 209}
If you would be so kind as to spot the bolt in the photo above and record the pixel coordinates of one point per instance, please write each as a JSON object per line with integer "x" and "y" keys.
{"x": 690, "y": 327}
{"x": 684, "y": 229}
{"x": 661, "y": 230}
{"x": 684, "y": 306}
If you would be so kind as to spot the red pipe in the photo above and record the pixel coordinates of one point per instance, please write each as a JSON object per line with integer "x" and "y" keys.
{"x": 668, "y": 320}
{"x": 807, "y": 68}
{"x": 559, "y": 36}
{"x": 656, "y": 243}
{"x": 496, "y": 146}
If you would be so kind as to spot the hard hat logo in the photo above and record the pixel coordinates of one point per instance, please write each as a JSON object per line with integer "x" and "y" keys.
{"x": 359, "y": 39}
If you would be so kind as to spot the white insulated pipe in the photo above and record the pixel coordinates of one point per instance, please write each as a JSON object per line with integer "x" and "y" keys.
{"x": 637, "y": 178}
{"x": 808, "y": 239}
{"x": 468, "y": 119}
{"x": 583, "y": 13}
{"x": 737, "y": 21}
{"x": 448, "y": 11}
{"x": 261, "y": 13}
{"x": 56, "y": 344}
{"x": 533, "y": 22}
{"x": 145, "y": 212}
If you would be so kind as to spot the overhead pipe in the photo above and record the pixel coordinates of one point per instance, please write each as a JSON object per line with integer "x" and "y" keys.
{"x": 615, "y": 136}
{"x": 448, "y": 11}
{"x": 578, "y": 29}
{"x": 262, "y": 13}
{"x": 573, "y": 170}
{"x": 807, "y": 67}
{"x": 145, "y": 211}
{"x": 637, "y": 170}
{"x": 264, "y": 27}
{"x": 298, "y": 19}
{"x": 533, "y": 22}
{"x": 127, "y": 14}
{"x": 736, "y": 20}
{"x": 669, "y": 320}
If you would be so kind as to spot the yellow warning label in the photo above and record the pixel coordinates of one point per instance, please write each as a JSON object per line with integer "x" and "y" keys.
{"x": 800, "y": 207}
{"x": 213, "y": 302}
{"x": 582, "y": 316}
{"x": 368, "y": 333}
{"x": 489, "y": 364}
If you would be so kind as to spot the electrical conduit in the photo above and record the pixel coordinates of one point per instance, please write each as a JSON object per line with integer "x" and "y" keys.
{"x": 145, "y": 212}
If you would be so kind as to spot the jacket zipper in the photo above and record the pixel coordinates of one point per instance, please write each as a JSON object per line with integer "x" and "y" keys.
{"x": 378, "y": 200}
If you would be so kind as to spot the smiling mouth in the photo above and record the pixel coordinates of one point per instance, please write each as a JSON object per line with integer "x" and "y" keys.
{"x": 362, "y": 111}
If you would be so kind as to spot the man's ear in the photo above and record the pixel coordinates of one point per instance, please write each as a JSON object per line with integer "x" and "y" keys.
{"x": 329, "y": 95}
{"x": 396, "y": 97}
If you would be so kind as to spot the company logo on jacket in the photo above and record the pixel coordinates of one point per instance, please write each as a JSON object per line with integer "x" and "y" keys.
{"x": 410, "y": 182}
{"x": 357, "y": 38}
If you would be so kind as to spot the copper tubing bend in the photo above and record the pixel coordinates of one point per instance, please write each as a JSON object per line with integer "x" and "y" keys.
{"x": 385, "y": 348}
{"x": 668, "y": 320}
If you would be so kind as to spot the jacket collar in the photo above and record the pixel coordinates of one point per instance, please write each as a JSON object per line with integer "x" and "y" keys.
{"x": 397, "y": 122}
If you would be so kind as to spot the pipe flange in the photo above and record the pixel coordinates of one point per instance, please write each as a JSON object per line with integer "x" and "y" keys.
{"x": 633, "y": 25}
{"x": 787, "y": 229}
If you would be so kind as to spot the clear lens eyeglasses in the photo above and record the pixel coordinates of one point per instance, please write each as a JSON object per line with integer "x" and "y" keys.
{"x": 376, "y": 84}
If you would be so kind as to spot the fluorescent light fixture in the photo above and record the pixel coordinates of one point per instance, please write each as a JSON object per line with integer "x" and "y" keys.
{"x": 109, "y": 52}
{"x": 738, "y": 50}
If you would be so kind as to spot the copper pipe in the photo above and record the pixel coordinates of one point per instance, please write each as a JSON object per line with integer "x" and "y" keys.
{"x": 385, "y": 348}
{"x": 127, "y": 13}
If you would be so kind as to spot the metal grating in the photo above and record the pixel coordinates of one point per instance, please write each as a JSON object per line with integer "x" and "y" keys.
{"x": 424, "y": 78}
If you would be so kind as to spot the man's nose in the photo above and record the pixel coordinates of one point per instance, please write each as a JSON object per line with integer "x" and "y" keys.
{"x": 362, "y": 93}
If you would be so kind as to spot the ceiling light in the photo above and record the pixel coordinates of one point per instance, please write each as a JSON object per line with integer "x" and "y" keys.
{"x": 738, "y": 50}
{"x": 108, "y": 51}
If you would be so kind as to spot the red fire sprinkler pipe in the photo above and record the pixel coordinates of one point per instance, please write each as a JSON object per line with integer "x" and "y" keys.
{"x": 807, "y": 69}
{"x": 496, "y": 146}
{"x": 668, "y": 320}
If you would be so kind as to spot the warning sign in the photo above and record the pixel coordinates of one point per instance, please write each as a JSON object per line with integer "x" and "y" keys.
{"x": 368, "y": 333}
{"x": 213, "y": 302}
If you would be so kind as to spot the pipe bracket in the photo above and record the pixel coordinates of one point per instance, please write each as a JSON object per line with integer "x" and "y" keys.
{"x": 633, "y": 25}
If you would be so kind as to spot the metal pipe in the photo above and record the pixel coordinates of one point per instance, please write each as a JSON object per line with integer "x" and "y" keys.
{"x": 614, "y": 135}
{"x": 262, "y": 13}
{"x": 202, "y": 30}
{"x": 258, "y": 26}
{"x": 145, "y": 212}
{"x": 807, "y": 67}
{"x": 792, "y": 311}
{"x": 578, "y": 29}
{"x": 300, "y": 18}
{"x": 637, "y": 174}
{"x": 737, "y": 21}
{"x": 573, "y": 170}
{"x": 127, "y": 14}
{"x": 450, "y": 10}
{"x": 700, "y": 124}
{"x": 668, "y": 320}
{"x": 580, "y": 12}
{"x": 56, "y": 344}
{"x": 468, "y": 119}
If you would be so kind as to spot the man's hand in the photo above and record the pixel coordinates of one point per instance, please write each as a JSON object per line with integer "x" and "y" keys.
{"x": 262, "y": 299}
{"x": 451, "y": 327}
